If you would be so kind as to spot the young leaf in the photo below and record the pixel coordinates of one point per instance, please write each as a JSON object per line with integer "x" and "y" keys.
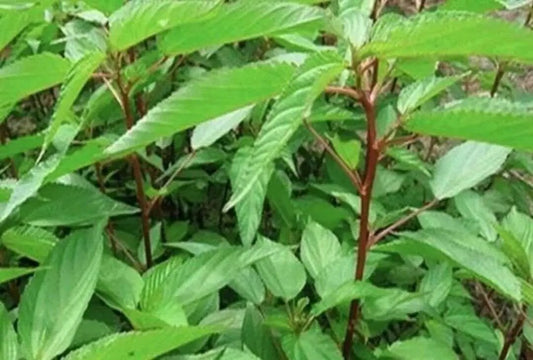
{"x": 319, "y": 248}
{"x": 286, "y": 116}
{"x": 490, "y": 270}
{"x": 30, "y": 75}
{"x": 465, "y": 166}
{"x": 450, "y": 34}
{"x": 281, "y": 272}
{"x": 76, "y": 78}
{"x": 141, "y": 345}
{"x": 250, "y": 210}
{"x": 138, "y": 19}
{"x": 8, "y": 337}
{"x": 206, "y": 98}
{"x": 419, "y": 348}
{"x": 54, "y": 301}
{"x": 495, "y": 121}
{"x": 310, "y": 345}
{"x": 209, "y": 132}
{"x": 7, "y": 274}
{"x": 254, "y": 18}
{"x": 417, "y": 93}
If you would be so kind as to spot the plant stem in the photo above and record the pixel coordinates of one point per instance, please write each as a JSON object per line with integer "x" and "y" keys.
{"x": 137, "y": 174}
{"x": 421, "y": 5}
{"x": 497, "y": 79}
{"x": 354, "y": 177}
{"x": 513, "y": 334}
{"x": 372, "y": 157}
{"x": 401, "y": 222}
{"x": 3, "y": 140}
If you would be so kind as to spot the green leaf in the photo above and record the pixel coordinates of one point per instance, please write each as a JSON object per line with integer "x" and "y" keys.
{"x": 417, "y": 93}
{"x": 281, "y": 272}
{"x": 30, "y": 75}
{"x": 249, "y": 211}
{"x": 488, "y": 269}
{"x": 419, "y": 348}
{"x": 206, "y": 98}
{"x": 59, "y": 205}
{"x": 254, "y": 19}
{"x": 8, "y": 336}
{"x": 7, "y": 274}
{"x": 409, "y": 159}
{"x": 465, "y": 166}
{"x": 450, "y": 34}
{"x": 310, "y": 345}
{"x": 145, "y": 345}
{"x": 31, "y": 242}
{"x": 76, "y": 79}
{"x": 54, "y": 301}
{"x": 248, "y": 284}
{"x": 348, "y": 150}
{"x": 471, "y": 206}
{"x": 139, "y": 20}
{"x": 472, "y": 325}
{"x": 11, "y": 26}
{"x": 294, "y": 104}
{"x": 319, "y": 248}
{"x": 208, "y": 133}
{"x": 471, "y": 5}
{"x": 495, "y": 121}
{"x": 512, "y": 247}
{"x": 20, "y": 145}
{"x": 437, "y": 283}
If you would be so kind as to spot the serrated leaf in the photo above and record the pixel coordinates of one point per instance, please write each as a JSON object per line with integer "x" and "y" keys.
{"x": 249, "y": 211}
{"x": 471, "y": 206}
{"x": 294, "y": 104}
{"x": 282, "y": 272}
{"x": 450, "y": 34}
{"x": 8, "y": 336}
{"x": 145, "y": 345}
{"x": 495, "y": 121}
{"x": 76, "y": 79}
{"x": 465, "y": 166}
{"x": 310, "y": 345}
{"x": 255, "y": 18}
{"x": 488, "y": 269}
{"x": 138, "y": 19}
{"x": 409, "y": 159}
{"x": 30, "y": 75}
{"x": 473, "y": 326}
{"x": 319, "y": 248}
{"x": 420, "y": 348}
{"x": 437, "y": 283}
{"x": 208, "y": 97}
{"x": 417, "y": 93}
{"x": 512, "y": 247}
{"x": 59, "y": 205}
{"x": 54, "y": 301}
{"x": 31, "y": 242}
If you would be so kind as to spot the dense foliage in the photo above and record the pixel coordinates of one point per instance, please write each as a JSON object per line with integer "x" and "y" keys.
{"x": 266, "y": 179}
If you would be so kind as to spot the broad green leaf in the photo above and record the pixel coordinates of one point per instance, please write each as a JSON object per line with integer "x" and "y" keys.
{"x": 255, "y": 18}
{"x": 319, "y": 248}
{"x": 513, "y": 248}
{"x": 206, "y": 98}
{"x": 437, "y": 283}
{"x": 30, "y": 75}
{"x": 20, "y": 145}
{"x": 310, "y": 345}
{"x": 208, "y": 133}
{"x": 139, "y": 20}
{"x": 27, "y": 186}
{"x": 409, "y": 159}
{"x": 465, "y": 166}
{"x": 471, "y": 5}
{"x": 472, "y": 325}
{"x": 248, "y": 284}
{"x": 11, "y": 26}
{"x": 488, "y": 269}
{"x": 145, "y": 345}
{"x": 8, "y": 336}
{"x": 419, "y": 348}
{"x": 54, "y": 301}
{"x": 32, "y": 242}
{"x": 417, "y": 93}
{"x": 83, "y": 38}
{"x": 7, "y": 274}
{"x": 450, "y": 34}
{"x": 249, "y": 211}
{"x": 285, "y": 117}
{"x": 119, "y": 285}
{"x": 495, "y": 121}
{"x": 471, "y": 206}
{"x": 154, "y": 280}
{"x": 105, "y": 6}
{"x": 76, "y": 79}
{"x": 282, "y": 272}
{"x": 521, "y": 226}
{"x": 348, "y": 150}
{"x": 256, "y": 336}
{"x": 60, "y": 205}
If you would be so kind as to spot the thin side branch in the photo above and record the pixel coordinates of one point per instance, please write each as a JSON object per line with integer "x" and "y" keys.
{"x": 337, "y": 90}
{"x": 352, "y": 174}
